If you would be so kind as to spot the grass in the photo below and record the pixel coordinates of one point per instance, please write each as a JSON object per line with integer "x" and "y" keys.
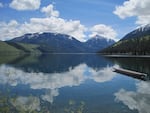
{"x": 9, "y": 48}
{"x": 6, "y": 48}
{"x": 32, "y": 48}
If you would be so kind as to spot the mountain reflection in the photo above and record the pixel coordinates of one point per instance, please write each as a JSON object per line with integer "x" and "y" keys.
{"x": 136, "y": 100}
{"x": 69, "y": 83}
{"x": 136, "y": 64}
{"x": 58, "y": 62}
{"x": 53, "y": 81}
{"x": 73, "y": 73}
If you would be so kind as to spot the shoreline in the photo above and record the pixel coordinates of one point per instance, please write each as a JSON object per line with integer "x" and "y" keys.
{"x": 127, "y": 56}
{"x": 80, "y": 53}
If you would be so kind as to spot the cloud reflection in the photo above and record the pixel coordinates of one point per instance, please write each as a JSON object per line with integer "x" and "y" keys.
{"x": 138, "y": 100}
{"x": 50, "y": 94}
{"x": 28, "y": 104}
{"x": 51, "y": 82}
{"x": 102, "y": 75}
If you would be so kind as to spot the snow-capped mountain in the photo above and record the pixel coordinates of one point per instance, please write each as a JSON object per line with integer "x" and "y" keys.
{"x": 52, "y": 41}
{"x": 61, "y": 43}
{"x": 41, "y": 36}
{"x": 139, "y": 32}
{"x": 136, "y": 42}
{"x": 97, "y": 43}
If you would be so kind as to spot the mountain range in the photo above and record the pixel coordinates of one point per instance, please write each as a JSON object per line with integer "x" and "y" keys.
{"x": 97, "y": 43}
{"x": 136, "y": 42}
{"x": 55, "y": 43}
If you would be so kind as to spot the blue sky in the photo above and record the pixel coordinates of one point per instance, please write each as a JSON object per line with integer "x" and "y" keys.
{"x": 82, "y": 19}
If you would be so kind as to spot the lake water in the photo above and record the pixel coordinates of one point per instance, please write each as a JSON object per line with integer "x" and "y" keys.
{"x": 61, "y": 83}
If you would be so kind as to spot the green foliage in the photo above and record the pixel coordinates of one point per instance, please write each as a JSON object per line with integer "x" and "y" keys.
{"x": 75, "y": 107}
{"x": 6, "y": 48}
{"x": 32, "y": 48}
{"x": 8, "y": 58}
{"x": 133, "y": 46}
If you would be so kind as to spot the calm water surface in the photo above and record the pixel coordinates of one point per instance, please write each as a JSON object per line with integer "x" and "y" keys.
{"x": 72, "y": 84}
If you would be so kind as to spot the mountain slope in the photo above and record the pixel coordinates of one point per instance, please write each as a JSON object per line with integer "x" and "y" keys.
{"x": 138, "y": 33}
{"x": 136, "y": 42}
{"x": 6, "y": 48}
{"x": 31, "y": 48}
{"x": 98, "y": 43}
{"x": 58, "y": 43}
{"x": 52, "y": 42}
{"x": 15, "y": 48}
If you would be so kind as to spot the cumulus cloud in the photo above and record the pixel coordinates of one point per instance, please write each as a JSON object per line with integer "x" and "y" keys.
{"x": 49, "y": 11}
{"x": 138, "y": 8}
{"x": 143, "y": 20}
{"x": 103, "y": 30}
{"x": 25, "y": 4}
{"x": 52, "y": 23}
{"x": 9, "y": 30}
{"x": 136, "y": 100}
{"x": 1, "y": 5}
{"x": 58, "y": 25}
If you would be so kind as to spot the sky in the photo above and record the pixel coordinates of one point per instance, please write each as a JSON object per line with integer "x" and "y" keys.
{"x": 82, "y": 19}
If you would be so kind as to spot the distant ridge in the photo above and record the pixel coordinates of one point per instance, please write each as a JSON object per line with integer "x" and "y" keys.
{"x": 136, "y": 42}
{"x": 51, "y": 42}
{"x": 98, "y": 42}
{"x": 57, "y": 43}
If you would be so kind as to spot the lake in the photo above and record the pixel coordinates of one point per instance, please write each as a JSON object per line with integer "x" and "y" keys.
{"x": 72, "y": 83}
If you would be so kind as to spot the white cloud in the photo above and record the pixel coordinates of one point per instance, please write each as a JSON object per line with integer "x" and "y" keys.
{"x": 143, "y": 20}
{"x": 58, "y": 25}
{"x": 138, "y": 8}
{"x": 103, "y": 30}
{"x": 1, "y": 5}
{"x": 52, "y": 23}
{"x": 25, "y": 4}
{"x": 136, "y": 100}
{"x": 49, "y": 11}
{"x": 9, "y": 30}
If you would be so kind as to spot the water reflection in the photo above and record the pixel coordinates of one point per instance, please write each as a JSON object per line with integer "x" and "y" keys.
{"x": 49, "y": 95}
{"x": 53, "y": 81}
{"x": 136, "y": 64}
{"x": 57, "y": 62}
{"x": 28, "y": 104}
{"x": 68, "y": 84}
{"x": 136, "y": 100}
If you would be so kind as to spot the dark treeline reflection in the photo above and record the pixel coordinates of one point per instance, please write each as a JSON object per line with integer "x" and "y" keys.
{"x": 71, "y": 83}
{"x": 136, "y": 64}
{"x": 50, "y": 63}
